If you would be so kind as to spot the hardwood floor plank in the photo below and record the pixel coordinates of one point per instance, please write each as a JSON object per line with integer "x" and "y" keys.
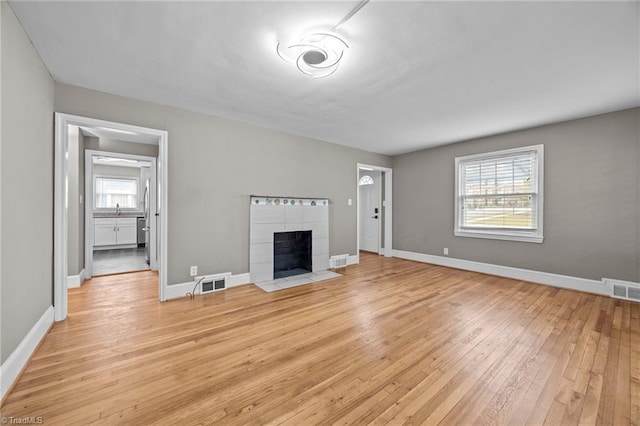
{"x": 611, "y": 328}
{"x": 589, "y": 414}
{"x": 496, "y": 407}
{"x": 634, "y": 362}
{"x": 390, "y": 342}
{"x": 510, "y": 358}
{"x": 555, "y": 394}
{"x": 550, "y": 353}
{"x": 623, "y": 404}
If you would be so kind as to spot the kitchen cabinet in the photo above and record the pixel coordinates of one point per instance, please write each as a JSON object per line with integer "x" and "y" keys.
{"x": 126, "y": 230}
{"x": 104, "y": 232}
{"x": 115, "y": 231}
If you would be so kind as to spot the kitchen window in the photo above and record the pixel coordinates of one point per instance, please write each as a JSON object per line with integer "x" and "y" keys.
{"x": 499, "y": 195}
{"x": 112, "y": 192}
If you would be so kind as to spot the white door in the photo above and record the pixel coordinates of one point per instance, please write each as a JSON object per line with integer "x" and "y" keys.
{"x": 369, "y": 210}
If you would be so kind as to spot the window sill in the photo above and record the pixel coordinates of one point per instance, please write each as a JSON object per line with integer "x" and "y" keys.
{"x": 525, "y": 238}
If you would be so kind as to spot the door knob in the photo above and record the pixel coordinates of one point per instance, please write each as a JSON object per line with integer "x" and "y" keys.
{"x": 374, "y": 217}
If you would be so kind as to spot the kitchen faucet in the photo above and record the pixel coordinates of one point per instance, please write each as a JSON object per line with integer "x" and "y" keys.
{"x": 117, "y": 209}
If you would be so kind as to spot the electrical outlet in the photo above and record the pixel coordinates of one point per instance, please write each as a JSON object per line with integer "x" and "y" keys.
{"x": 446, "y": 251}
{"x": 349, "y": 202}
{"x": 193, "y": 271}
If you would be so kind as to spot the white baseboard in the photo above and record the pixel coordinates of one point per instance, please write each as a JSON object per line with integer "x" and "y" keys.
{"x": 353, "y": 259}
{"x": 176, "y": 291}
{"x": 562, "y": 281}
{"x": 75, "y": 281}
{"x": 239, "y": 279}
{"x": 12, "y": 367}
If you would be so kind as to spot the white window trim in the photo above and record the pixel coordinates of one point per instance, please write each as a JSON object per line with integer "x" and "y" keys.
{"x": 110, "y": 209}
{"x": 536, "y": 236}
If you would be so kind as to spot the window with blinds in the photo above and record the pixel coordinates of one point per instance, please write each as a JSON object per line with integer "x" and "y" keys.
{"x": 499, "y": 195}
{"x": 111, "y": 192}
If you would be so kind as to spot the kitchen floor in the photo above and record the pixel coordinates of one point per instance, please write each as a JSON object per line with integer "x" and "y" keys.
{"x": 116, "y": 261}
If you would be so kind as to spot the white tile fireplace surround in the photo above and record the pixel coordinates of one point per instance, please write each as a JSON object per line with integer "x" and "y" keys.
{"x": 269, "y": 215}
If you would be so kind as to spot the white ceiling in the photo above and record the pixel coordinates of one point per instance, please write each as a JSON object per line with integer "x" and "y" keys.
{"x": 416, "y": 75}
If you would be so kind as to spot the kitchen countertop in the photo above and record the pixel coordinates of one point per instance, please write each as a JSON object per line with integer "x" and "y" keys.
{"x": 113, "y": 215}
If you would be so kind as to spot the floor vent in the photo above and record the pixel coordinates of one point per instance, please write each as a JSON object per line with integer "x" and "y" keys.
{"x": 338, "y": 261}
{"x": 623, "y": 289}
{"x": 211, "y": 283}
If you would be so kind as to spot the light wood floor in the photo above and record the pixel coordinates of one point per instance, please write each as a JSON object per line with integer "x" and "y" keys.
{"x": 392, "y": 342}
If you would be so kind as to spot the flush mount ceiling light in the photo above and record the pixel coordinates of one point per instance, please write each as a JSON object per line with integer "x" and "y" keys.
{"x": 317, "y": 54}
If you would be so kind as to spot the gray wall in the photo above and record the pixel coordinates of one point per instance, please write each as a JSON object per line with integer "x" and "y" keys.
{"x": 27, "y": 204}
{"x": 591, "y": 200}
{"x": 214, "y": 165}
{"x": 74, "y": 225}
{"x": 80, "y": 206}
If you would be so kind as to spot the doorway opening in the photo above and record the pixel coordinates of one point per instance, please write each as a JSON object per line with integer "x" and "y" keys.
{"x": 104, "y": 172}
{"x": 370, "y": 210}
{"x": 375, "y": 209}
{"x": 120, "y": 190}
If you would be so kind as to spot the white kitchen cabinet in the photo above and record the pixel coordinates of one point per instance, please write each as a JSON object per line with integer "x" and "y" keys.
{"x": 115, "y": 231}
{"x": 126, "y": 231}
{"x": 104, "y": 232}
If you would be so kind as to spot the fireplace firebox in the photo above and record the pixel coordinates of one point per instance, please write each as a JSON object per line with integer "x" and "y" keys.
{"x": 291, "y": 253}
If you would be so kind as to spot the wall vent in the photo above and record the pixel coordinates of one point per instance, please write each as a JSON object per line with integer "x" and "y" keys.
{"x": 623, "y": 289}
{"x": 338, "y": 261}
{"x": 211, "y": 283}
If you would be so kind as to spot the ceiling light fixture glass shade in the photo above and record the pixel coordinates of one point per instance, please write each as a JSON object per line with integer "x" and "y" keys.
{"x": 316, "y": 54}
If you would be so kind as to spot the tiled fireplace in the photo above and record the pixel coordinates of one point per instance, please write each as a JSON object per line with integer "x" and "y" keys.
{"x": 287, "y": 221}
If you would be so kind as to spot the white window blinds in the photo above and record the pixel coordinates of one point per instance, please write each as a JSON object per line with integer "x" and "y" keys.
{"x": 500, "y": 193}
{"x": 110, "y": 192}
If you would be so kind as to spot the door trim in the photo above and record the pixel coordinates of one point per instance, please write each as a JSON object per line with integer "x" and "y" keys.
{"x": 387, "y": 205}
{"x": 60, "y": 212}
